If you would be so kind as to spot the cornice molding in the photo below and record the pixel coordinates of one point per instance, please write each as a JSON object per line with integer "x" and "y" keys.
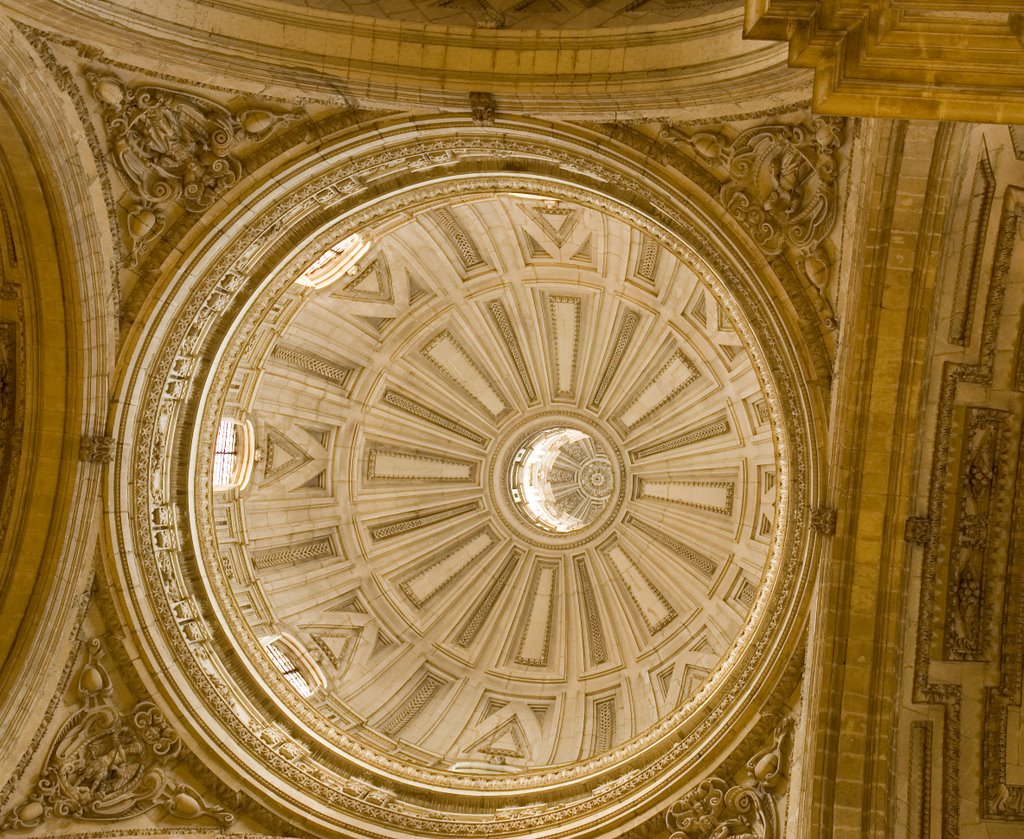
{"x": 923, "y": 59}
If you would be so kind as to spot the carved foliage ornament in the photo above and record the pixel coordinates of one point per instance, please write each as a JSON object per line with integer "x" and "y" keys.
{"x": 715, "y": 809}
{"x": 783, "y": 183}
{"x": 105, "y": 764}
{"x": 171, "y": 146}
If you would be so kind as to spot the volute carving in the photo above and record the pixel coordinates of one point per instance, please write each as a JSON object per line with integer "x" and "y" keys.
{"x": 106, "y": 764}
{"x": 782, "y": 185}
{"x": 716, "y": 809}
{"x": 171, "y": 146}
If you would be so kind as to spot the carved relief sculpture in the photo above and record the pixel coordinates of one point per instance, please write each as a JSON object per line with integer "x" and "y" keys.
{"x": 171, "y": 146}
{"x": 107, "y": 765}
{"x": 782, "y": 185}
{"x": 715, "y": 809}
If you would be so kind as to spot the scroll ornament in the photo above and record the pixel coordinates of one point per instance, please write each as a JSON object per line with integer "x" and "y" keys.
{"x": 715, "y": 809}
{"x": 171, "y": 146}
{"x": 105, "y": 764}
{"x": 782, "y": 185}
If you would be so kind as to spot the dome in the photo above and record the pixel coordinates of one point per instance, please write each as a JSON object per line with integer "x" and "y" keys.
{"x": 464, "y": 487}
{"x": 515, "y": 490}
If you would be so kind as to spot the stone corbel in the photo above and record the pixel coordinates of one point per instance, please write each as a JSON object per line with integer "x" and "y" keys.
{"x": 483, "y": 106}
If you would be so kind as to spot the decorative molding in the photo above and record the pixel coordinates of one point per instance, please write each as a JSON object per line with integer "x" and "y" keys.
{"x": 647, "y": 601}
{"x": 716, "y": 427}
{"x": 12, "y": 408}
{"x": 472, "y": 625}
{"x": 455, "y": 233}
{"x": 604, "y": 725}
{"x": 499, "y": 315}
{"x": 700, "y": 563}
{"x": 919, "y": 782}
{"x": 400, "y": 526}
{"x": 708, "y": 496}
{"x": 644, "y": 403}
{"x": 596, "y": 646}
{"x": 885, "y": 57}
{"x": 623, "y": 336}
{"x": 106, "y": 764}
{"x": 564, "y": 348}
{"x": 533, "y": 646}
{"x": 320, "y": 547}
{"x": 969, "y": 268}
{"x": 453, "y": 361}
{"x": 647, "y": 261}
{"x": 390, "y": 463}
{"x": 438, "y": 571}
{"x": 424, "y": 691}
{"x": 417, "y": 409}
{"x": 1017, "y": 140}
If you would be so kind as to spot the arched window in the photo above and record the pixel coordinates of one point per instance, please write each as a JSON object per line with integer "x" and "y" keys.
{"x": 296, "y": 666}
{"x": 233, "y": 454}
{"x": 337, "y": 261}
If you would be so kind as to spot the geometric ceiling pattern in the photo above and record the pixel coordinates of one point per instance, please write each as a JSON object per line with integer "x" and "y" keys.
{"x": 380, "y": 534}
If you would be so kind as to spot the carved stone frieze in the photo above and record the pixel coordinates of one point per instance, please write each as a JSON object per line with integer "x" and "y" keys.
{"x": 106, "y": 764}
{"x": 716, "y": 809}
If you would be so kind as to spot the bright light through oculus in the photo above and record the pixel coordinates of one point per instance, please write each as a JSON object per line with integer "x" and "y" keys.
{"x": 561, "y": 479}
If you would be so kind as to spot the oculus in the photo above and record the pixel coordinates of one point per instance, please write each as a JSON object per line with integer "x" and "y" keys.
{"x": 561, "y": 479}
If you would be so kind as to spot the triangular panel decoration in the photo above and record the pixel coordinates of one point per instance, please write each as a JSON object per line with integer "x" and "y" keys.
{"x": 556, "y": 222}
{"x": 373, "y": 283}
{"x": 507, "y": 740}
{"x": 283, "y": 455}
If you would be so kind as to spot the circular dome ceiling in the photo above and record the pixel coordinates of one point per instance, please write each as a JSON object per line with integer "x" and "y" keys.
{"x": 467, "y": 484}
{"x": 514, "y": 488}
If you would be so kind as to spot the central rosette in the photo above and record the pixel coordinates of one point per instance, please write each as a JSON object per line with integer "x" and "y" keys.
{"x": 561, "y": 479}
